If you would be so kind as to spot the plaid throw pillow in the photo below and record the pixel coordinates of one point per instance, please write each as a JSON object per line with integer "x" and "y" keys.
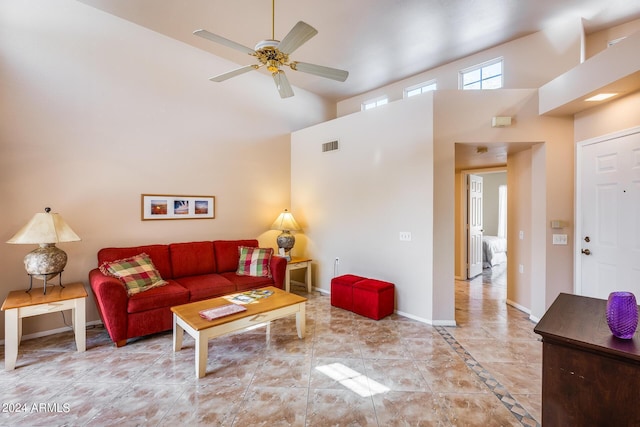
{"x": 137, "y": 273}
{"x": 254, "y": 261}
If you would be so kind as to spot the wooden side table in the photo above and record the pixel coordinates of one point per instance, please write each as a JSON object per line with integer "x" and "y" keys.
{"x": 20, "y": 304}
{"x": 295, "y": 264}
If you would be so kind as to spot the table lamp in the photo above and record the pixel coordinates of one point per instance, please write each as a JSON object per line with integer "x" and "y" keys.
{"x": 46, "y": 262}
{"x": 285, "y": 223}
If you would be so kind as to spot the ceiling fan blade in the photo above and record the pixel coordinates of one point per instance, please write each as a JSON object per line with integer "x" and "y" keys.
{"x": 233, "y": 73}
{"x": 320, "y": 70}
{"x": 221, "y": 40}
{"x": 299, "y": 34}
{"x": 282, "y": 83}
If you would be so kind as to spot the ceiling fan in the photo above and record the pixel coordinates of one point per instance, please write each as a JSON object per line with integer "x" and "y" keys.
{"x": 274, "y": 54}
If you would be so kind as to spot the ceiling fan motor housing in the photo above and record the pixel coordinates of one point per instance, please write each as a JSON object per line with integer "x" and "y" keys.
{"x": 268, "y": 53}
{"x": 267, "y": 43}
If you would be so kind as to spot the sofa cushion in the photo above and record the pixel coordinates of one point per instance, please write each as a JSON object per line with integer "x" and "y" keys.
{"x": 244, "y": 283}
{"x": 206, "y": 286}
{"x": 159, "y": 254}
{"x": 166, "y": 296}
{"x": 192, "y": 259}
{"x": 226, "y": 253}
{"x": 137, "y": 273}
{"x": 254, "y": 261}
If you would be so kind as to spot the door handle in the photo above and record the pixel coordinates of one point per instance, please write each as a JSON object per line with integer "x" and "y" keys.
{"x": 586, "y": 251}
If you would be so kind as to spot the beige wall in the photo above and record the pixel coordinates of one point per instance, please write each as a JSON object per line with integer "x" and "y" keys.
{"x": 519, "y": 203}
{"x": 597, "y": 42}
{"x": 558, "y": 48}
{"x": 553, "y": 179}
{"x": 621, "y": 114}
{"x": 96, "y": 111}
{"x": 356, "y": 200}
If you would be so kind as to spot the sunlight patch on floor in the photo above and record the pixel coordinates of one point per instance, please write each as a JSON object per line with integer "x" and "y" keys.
{"x": 353, "y": 380}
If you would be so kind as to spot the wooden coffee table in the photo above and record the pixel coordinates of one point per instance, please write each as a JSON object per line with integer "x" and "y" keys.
{"x": 186, "y": 317}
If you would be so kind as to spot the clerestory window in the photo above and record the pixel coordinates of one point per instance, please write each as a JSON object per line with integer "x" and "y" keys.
{"x": 373, "y": 103}
{"x": 487, "y": 75}
{"x": 420, "y": 89}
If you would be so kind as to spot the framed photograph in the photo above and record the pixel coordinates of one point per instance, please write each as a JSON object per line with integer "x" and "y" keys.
{"x": 159, "y": 206}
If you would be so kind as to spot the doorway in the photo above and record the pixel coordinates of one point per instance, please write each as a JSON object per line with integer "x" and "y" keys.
{"x": 493, "y": 217}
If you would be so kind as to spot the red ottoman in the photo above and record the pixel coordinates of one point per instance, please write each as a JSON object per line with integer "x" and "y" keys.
{"x": 342, "y": 292}
{"x": 373, "y": 298}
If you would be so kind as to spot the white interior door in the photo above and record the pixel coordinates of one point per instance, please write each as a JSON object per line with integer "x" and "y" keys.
{"x": 474, "y": 225}
{"x": 609, "y": 215}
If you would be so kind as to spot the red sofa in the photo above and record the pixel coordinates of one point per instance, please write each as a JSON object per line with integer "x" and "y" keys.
{"x": 194, "y": 271}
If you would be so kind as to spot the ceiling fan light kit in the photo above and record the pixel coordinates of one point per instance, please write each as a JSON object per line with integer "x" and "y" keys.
{"x": 274, "y": 54}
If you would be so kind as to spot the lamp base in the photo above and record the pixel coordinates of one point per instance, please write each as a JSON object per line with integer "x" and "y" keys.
{"x": 44, "y": 286}
{"x": 286, "y": 241}
{"x": 45, "y": 263}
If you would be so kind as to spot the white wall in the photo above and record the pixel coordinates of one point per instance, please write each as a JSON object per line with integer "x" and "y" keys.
{"x": 354, "y": 202}
{"x": 95, "y": 110}
{"x": 490, "y": 207}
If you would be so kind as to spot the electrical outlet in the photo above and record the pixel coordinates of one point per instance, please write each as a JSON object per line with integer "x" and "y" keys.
{"x": 405, "y": 236}
{"x": 521, "y": 268}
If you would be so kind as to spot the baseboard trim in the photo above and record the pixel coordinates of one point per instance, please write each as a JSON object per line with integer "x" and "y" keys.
{"x": 518, "y": 306}
{"x": 54, "y": 331}
{"x": 407, "y": 315}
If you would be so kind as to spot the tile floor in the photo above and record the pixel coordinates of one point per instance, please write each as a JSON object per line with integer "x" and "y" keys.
{"x": 348, "y": 371}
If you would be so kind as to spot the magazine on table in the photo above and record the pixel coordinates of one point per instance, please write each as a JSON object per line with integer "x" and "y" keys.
{"x": 251, "y": 296}
{"x": 223, "y": 310}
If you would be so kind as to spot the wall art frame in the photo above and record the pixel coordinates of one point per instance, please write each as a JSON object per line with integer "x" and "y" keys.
{"x": 162, "y": 206}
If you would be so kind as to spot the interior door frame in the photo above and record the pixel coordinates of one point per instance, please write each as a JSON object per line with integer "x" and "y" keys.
{"x": 463, "y": 250}
{"x": 577, "y": 242}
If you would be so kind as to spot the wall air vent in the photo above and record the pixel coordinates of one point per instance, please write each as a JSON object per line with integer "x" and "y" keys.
{"x": 615, "y": 41}
{"x": 330, "y": 146}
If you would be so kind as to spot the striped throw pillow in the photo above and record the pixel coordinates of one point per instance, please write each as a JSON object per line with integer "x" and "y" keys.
{"x": 254, "y": 261}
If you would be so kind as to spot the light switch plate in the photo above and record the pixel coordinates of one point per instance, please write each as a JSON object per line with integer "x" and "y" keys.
{"x": 559, "y": 239}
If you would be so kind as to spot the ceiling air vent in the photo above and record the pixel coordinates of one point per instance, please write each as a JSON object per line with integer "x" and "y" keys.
{"x": 330, "y": 146}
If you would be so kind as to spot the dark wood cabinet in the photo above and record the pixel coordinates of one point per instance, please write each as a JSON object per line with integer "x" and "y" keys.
{"x": 589, "y": 377}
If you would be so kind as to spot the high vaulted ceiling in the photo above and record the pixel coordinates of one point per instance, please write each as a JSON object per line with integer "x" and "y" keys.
{"x": 378, "y": 42}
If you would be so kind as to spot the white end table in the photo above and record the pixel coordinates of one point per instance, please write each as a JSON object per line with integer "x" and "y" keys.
{"x": 295, "y": 264}
{"x": 21, "y": 304}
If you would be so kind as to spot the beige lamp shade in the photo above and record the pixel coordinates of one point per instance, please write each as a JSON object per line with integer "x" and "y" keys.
{"x": 45, "y": 227}
{"x": 285, "y": 221}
